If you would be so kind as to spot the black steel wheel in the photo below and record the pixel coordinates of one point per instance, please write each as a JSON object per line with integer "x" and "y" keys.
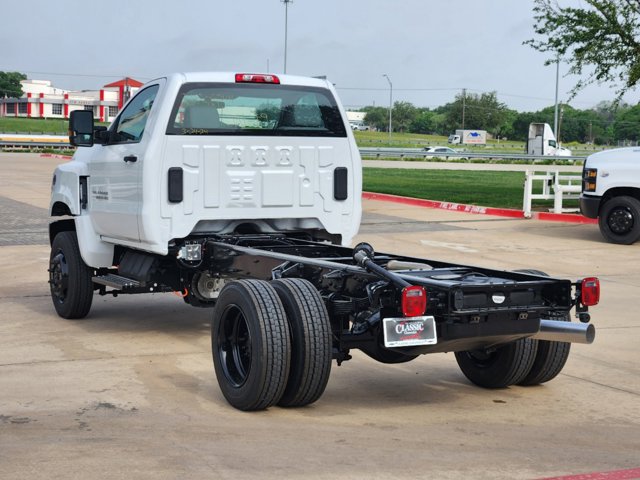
{"x": 250, "y": 344}
{"x": 311, "y": 341}
{"x": 550, "y": 358}
{"x": 619, "y": 220}
{"x": 69, "y": 277}
{"x": 499, "y": 368}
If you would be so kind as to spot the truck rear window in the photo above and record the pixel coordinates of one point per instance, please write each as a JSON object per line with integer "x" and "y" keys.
{"x": 255, "y": 109}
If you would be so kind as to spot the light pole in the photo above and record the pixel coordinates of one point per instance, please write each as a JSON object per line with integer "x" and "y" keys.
{"x": 390, "y": 103}
{"x": 286, "y": 21}
{"x": 555, "y": 115}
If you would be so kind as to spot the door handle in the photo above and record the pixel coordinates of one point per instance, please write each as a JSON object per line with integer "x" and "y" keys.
{"x": 131, "y": 158}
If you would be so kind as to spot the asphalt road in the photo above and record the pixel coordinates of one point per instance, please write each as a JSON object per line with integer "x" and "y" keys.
{"x": 130, "y": 392}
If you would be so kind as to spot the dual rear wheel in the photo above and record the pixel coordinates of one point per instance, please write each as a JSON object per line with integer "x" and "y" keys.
{"x": 523, "y": 362}
{"x": 271, "y": 343}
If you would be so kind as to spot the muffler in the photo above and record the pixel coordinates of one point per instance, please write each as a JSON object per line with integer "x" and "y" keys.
{"x": 558, "y": 331}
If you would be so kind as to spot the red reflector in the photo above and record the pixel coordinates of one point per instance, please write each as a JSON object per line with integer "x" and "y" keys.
{"x": 414, "y": 301}
{"x": 256, "y": 78}
{"x": 590, "y": 291}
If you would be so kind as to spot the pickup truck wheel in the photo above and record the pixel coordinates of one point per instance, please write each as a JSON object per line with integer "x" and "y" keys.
{"x": 500, "y": 368}
{"x": 250, "y": 343}
{"x": 619, "y": 220}
{"x": 550, "y": 360}
{"x": 311, "y": 341}
{"x": 69, "y": 277}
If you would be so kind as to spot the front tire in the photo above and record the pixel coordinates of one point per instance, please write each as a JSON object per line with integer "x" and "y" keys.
{"x": 311, "y": 341}
{"x": 69, "y": 277}
{"x": 619, "y": 220}
{"x": 250, "y": 343}
{"x": 499, "y": 368}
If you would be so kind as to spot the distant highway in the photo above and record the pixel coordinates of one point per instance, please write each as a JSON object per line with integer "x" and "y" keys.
{"x": 60, "y": 141}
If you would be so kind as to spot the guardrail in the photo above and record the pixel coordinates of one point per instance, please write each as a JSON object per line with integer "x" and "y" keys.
{"x": 365, "y": 152}
{"x": 420, "y": 153}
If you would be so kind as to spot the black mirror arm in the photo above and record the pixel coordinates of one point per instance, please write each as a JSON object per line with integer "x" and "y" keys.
{"x": 101, "y": 135}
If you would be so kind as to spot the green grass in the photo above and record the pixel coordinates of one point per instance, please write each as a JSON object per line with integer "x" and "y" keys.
{"x": 486, "y": 189}
{"x": 33, "y": 125}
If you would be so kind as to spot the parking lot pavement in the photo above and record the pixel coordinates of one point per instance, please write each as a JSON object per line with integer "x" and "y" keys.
{"x": 130, "y": 392}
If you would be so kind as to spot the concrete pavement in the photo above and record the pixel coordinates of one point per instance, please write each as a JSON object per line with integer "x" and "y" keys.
{"x": 130, "y": 392}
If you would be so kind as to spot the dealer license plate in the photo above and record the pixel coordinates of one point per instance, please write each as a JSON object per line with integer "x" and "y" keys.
{"x": 409, "y": 332}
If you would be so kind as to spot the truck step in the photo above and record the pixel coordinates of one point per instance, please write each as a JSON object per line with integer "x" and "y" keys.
{"x": 115, "y": 281}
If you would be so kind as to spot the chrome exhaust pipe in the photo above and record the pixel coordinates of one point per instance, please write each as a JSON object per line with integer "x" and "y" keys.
{"x": 558, "y": 331}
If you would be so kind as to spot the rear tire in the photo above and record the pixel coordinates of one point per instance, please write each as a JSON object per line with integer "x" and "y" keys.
{"x": 550, "y": 359}
{"x": 69, "y": 277}
{"x": 619, "y": 220}
{"x": 250, "y": 344}
{"x": 311, "y": 341}
{"x": 500, "y": 368}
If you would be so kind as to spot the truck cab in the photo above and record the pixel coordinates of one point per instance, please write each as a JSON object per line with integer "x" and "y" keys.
{"x": 196, "y": 153}
{"x": 541, "y": 140}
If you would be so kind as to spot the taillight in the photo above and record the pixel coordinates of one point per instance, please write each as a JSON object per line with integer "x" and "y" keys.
{"x": 256, "y": 78}
{"x": 590, "y": 291}
{"x": 414, "y": 301}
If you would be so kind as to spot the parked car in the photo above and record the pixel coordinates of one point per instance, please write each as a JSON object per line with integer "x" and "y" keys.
{"x": 359, "y": 126}
{"x": 444, "y": 152}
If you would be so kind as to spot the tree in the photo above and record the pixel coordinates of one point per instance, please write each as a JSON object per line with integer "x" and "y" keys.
{"x": 482, "y": 112}
{"x": 377, "y": 117}
{"x": 10, "y": 84}
{"x": 602, "y": 37}
{"x": 626, "y": 124}
{"x": 423, "y": 122}
{"x": 403, "y": 114}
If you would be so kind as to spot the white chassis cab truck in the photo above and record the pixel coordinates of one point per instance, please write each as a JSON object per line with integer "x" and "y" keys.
{"x": 242, "y": 192}
{"x": 611, "y": 193}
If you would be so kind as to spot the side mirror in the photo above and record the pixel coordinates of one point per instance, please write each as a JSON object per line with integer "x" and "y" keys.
{"x": 81, "y": 128}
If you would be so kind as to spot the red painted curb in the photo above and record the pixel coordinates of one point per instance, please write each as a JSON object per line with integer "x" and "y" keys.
{"x": 458, "y": 207}
{"x": 564, "y": 217}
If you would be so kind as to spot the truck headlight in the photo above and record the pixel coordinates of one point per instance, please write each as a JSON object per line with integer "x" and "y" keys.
{"x": 589, "y": 179}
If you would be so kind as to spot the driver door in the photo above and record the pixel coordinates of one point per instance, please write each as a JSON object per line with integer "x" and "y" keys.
{"x": 115, "y": 183}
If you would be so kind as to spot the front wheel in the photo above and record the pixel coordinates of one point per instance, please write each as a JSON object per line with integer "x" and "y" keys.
{"x": 69, "y": 277}
{"x": 501, "y": 367}
{"x": 619, "y": 220}
{"x": 251, "y": 344}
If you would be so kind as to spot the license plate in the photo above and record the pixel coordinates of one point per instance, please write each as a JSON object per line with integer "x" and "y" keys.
{"x": 408, "y": 332}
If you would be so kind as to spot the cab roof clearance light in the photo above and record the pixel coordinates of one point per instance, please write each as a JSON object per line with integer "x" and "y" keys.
{"x": 590, "y": 291}
{"x": 414, "y": 301}
{"x": 256, "y": 78}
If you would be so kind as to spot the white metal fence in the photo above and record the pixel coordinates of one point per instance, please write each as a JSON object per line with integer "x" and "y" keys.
{"x": 555, "y": 186}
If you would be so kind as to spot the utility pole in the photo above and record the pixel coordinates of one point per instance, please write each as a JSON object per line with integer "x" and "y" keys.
{"x": 559, "y": 125}
{"x": 464, "y": 104}
{"x": 390, "y": 103}
{"x": 286, "y": 25}
{"x": 556, "y": 125}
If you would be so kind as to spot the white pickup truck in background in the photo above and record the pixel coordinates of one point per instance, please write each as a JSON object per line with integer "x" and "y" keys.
{"x": 611, "y": 193}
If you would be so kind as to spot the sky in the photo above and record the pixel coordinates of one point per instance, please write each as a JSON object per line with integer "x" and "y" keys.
{"x": 429, "y": 49}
